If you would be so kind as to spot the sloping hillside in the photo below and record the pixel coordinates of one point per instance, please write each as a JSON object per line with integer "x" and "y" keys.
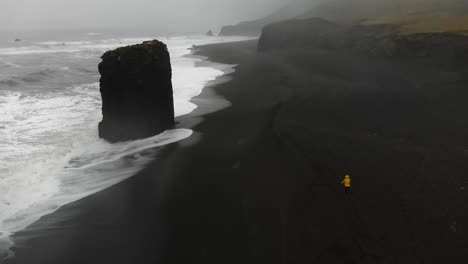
{"x": 254, "y": 27}
{"x": 449, "y": 16}
{"x": 412, "y": 16}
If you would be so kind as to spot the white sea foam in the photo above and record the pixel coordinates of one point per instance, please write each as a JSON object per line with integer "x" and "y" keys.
{"x": 50, "y": 151}
{"x": 51, "y": 154}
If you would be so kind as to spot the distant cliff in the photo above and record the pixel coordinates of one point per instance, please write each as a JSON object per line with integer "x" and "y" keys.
{"x": 136, "y": 90}
{"x": 250, "y": 28}
{"x": 375, "y": 40}
{"x": 254, "y": 27}
{"x": 411, "y": 16}
{"x": 323, "y": 34}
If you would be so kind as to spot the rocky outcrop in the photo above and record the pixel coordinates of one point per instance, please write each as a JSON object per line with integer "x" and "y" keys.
{"x": 373, "y": 40}
{"x": 209, "y": 33}
{"x": 136, "y": 90}
{"x": 250, "y": 28}
{"x": 443, "y": 46}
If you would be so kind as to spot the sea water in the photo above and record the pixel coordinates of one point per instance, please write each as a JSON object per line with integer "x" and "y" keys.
{"x": 50, "y": 106}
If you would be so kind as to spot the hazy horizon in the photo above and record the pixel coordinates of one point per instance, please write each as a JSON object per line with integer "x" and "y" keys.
{"x": 162, "y": 16}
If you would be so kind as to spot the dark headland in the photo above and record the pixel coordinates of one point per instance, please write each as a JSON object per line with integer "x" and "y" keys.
{"x": 262, "y": 183}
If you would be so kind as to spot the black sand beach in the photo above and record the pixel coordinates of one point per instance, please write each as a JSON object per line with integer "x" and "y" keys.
{"x": 259, "y": 182}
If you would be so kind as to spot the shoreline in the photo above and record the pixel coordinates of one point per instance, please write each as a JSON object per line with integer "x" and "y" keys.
{"x": 182, "y": 47}
{"x": 207, "y": 102}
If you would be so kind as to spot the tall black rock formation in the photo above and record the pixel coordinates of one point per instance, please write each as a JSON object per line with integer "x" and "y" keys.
{"x": 136, "y": 91}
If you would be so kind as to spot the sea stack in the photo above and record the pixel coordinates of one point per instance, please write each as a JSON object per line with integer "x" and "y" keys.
{"x": 136, "y": 91}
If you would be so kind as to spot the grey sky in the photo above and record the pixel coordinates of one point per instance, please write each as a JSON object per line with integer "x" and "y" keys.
{"x": 167, "y": 15}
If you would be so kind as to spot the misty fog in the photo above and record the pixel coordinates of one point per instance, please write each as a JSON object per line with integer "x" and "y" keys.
{"x": 157, "y": 15}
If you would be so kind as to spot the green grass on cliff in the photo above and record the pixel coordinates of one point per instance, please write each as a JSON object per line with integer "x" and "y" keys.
{"x": 425, "y": 23}
{"x": 412, "y": 16}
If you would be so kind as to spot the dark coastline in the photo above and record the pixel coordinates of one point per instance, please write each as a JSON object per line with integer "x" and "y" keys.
{"x": 261, "y": 184}
{"x": 125, "y": 223}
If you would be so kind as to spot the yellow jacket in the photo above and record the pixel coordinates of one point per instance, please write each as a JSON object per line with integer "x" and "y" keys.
{"x": 347, "y": 181}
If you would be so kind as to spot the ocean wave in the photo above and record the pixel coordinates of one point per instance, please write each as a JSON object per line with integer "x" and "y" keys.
{"x": 78, "y": 175}
{"x": 36, "y": 76}
{"x": 64, "y": 43}
{"x": 47, "y": 47}
{"x": 30, "y": 77}
{"x": 11, "y": 65}
{"x": 10, "y": 83}
{"x": 34, "y": 50}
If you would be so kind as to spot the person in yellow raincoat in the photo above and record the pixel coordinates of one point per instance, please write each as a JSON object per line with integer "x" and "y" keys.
{"x": 346, "y": 183}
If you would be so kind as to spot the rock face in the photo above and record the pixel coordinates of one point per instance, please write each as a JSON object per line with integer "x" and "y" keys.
{"x": 322, "y": 34}
{"x": 136, "y": 91}
{"x": 443, "y": 46}
{"x": 373, "y": 40}
{"x": 210, "y": 33}
{"x": 251, "y": 28}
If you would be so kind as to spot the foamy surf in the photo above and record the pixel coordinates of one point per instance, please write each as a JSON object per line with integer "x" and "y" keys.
{"x": 53, "y": 156}
{"x": 50, "y": 103}
{"x": 86, "y": 172}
